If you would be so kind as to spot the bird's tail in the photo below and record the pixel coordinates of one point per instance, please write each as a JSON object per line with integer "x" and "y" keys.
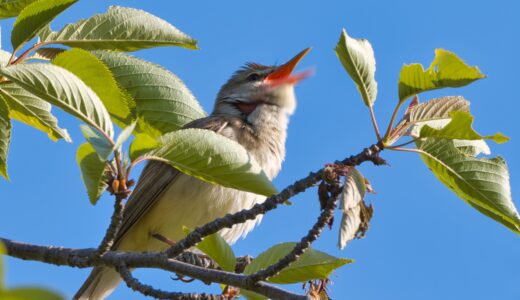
{"x": 99, "y": 284}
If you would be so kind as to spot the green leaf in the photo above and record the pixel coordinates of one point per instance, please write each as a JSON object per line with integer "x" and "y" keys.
{"x": 11, "y": 8}
{"x": 98, "y": 141}
{"x": 96, "y": 75}
{"x": 313, "y": 264}
{"x": 124, "y": 135}
{"x": 29, "y": 293}
{"x": 33, "y": 111}
{"x": 92, "y": 171}
{"x": 34, "y": 17}
{"x": 121, "y": 28}
{"x": 481, "y": 182}
{"x": 446, "y": 70}
{"x": 460, "y": 127}
{"x": 63, "y": 89}
{"x": 164, "y": 103}
{"x": 142, "y": 144}
{"x": 213, "y": 158}
{"x": 3, "y": 251}
{"x": 5, "y": 136}
{"x": 357, "y": 57}
{"x": 217, "y": 249}
{"x": 251, "y": 295}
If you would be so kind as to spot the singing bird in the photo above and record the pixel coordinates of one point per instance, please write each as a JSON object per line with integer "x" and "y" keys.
{"x": 252, "y": 108}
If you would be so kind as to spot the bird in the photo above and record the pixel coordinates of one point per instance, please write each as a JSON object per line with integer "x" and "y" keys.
{"x": 252, "y": 108}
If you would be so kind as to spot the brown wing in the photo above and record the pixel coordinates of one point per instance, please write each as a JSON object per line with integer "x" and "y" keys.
{"x": 155, "y": 179}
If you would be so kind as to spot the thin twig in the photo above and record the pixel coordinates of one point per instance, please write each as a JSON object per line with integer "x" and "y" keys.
{"x": 302, "y": 246}
{"x": 148, "y": 290}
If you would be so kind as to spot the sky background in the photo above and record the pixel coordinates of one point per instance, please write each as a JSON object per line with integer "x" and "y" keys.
{"x": 424, "y": 242}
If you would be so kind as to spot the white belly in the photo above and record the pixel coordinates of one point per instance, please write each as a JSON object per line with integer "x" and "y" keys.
{"x": 190, "y": 202}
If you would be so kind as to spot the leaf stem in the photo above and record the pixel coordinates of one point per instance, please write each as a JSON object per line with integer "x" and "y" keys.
{"x": 392, "y": 120}
{"x": 374, "y": 123}
{"x": 20, "y": 58}
{"x": 402, "y": 145}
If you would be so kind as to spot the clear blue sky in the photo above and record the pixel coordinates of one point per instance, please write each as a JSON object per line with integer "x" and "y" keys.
{"x": 424, "y": 242}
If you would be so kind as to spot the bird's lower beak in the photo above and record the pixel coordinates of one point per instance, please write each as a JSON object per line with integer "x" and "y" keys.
{"x": 283, "y": 74}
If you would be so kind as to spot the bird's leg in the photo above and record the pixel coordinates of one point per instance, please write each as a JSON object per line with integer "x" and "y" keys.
{"x": 162, "y": 238}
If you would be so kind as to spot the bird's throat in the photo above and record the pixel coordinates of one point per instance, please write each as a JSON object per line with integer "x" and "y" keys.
{"x": 246, "y": 108}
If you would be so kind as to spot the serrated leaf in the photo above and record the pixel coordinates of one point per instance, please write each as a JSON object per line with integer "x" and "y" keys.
{"x": 29, "y": 293}
{"x": 481, "y": 182}
{"x": 96, "y": 75}
{"x": 5, "y": 136}
{"x": 63, "y": 89}
{"x": 142, "y": 144}
{"x": 460, "y": 127}
{"x": 98, "y": 141}
{"x": 164, "y": 103}
{"x": 213, "y": 158}
{"x": 446, "y": 70}
{"x": 439, "y": 108}
{"x": 34, "y": 17}
{"x": 121, "y": 28}
{"x": 312, "y": 264}
{"x": 11, "y": 8}
{"x": 357, "y": 57}
{"x": 217, "y": 249}
{"x": 46, "y": 53}
{"x": 33, "y": 111}
{"x": 92, "y": 171}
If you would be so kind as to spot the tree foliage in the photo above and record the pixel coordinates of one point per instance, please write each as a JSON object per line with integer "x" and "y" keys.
{"x": 89, "y": 77}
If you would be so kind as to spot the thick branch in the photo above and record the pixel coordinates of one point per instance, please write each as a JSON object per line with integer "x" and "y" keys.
{"x": 83, "y": 258}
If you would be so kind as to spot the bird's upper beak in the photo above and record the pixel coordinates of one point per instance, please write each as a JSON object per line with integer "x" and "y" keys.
{"x": 283, "y": 74}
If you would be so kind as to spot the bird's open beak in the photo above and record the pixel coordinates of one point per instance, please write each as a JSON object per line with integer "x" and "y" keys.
{"x": 283, "y": 74}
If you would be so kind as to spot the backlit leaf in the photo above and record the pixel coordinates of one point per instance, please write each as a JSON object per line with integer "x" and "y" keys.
{"x": 313, "y": 264}
{"x": 63, "y": 89}
{"x": 164, "y": 103}
{"x": 96, "y": 75}
{"x": 357, "y": 57}
{"x": 34, "y": 17}
{"x": 217, "y": 249}
{"x": 92, "y": 171}
{"x": 460, "y": 127}
{"x": 5, "y": 137}
{"x": 481, "y": 182}
{"x": 11, "y": 8}
{"x": 213, "y": 158}
{"x": 120, "y": 28}
{"x": 33, "y": 111}
{"x": 446, "y": 70}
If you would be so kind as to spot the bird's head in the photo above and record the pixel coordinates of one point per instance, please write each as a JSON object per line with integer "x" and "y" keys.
{"x": 256, "y": 85}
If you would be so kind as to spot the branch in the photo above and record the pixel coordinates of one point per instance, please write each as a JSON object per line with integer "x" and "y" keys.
{"x": 303, "y": 245}
{"x": 83, "y": 258}
{"x": 115, "y": 225}
{"x": 368, "y": 154}
{"x": 123, "y": 261}
{"x": 148, "y": 290}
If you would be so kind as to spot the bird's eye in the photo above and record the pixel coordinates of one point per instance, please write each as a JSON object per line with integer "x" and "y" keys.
{"x": 253, "y": 77}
